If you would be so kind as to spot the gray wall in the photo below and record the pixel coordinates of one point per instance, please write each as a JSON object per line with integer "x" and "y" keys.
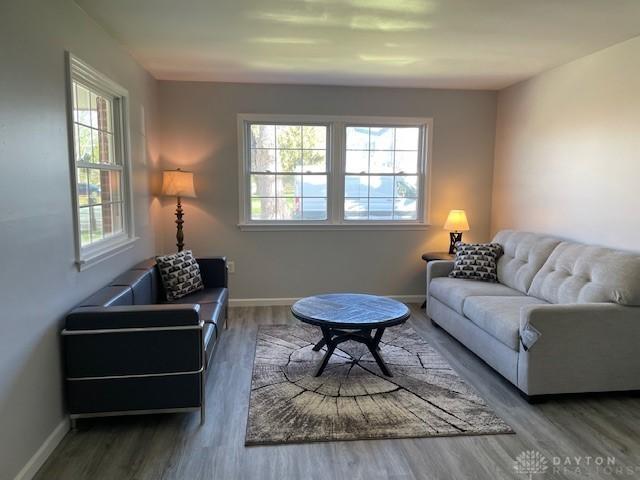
{"x": 38, "y": 279}
{"x": 198, "y": 132}
{"x": 568, "y": 151}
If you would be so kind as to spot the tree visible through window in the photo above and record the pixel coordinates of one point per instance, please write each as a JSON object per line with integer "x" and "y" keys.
{"x": 100, "y": 170}
{"x": 288, "y": 172}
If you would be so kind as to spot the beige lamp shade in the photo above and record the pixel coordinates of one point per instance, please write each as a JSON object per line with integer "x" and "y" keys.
{"x": 456, "y": 221}
{"x": 177, "y": 183}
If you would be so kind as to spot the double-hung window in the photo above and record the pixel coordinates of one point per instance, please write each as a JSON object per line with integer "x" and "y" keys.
{"x": 100, "y": 166}
{"x": 343, "y": 172}
{"x": 381, "y": 181}
{"x": 287, "y": 172}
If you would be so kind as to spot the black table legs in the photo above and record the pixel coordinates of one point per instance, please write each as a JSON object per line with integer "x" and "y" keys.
{"x": 319, "y": 345}
{"x": 332, "y": 337}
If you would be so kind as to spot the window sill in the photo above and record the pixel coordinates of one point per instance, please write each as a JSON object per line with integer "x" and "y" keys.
{"x": 107, "y": 251}
{"x": 272, "y": 227}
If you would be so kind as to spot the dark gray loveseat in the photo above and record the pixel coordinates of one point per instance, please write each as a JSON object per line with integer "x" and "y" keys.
{"x": 128, "y": 351}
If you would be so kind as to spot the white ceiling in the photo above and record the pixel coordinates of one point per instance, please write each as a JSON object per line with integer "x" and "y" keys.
{"x": 480, "y": 44}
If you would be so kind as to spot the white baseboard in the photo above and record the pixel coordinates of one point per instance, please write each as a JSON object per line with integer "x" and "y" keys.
{"x": 408, "y": 298}
{"x": 37, "y": 460}
{"x": 271, "y": 302}
{"x": 260, "y": 302}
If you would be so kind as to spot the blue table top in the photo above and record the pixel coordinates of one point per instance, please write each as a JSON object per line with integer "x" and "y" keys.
{"x": 350, "y": 310}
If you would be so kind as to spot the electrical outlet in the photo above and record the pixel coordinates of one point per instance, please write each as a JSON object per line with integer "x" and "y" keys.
{"x": 231, "y": 266}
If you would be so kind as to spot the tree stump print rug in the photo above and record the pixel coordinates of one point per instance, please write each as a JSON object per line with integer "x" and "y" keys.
{"x": 353, "y": 400}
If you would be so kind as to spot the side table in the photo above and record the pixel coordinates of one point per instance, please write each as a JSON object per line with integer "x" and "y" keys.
{"x": 430, "y": 256}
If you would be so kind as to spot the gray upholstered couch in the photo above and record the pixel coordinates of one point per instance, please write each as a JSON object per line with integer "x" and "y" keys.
{"x": 565, "y": 317}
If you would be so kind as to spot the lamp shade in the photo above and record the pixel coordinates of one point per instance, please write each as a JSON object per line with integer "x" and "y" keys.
{"x": 456, "y": 221}
{"x": 176, "y": 183}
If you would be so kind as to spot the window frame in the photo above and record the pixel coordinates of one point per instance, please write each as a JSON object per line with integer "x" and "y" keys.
{"x": 89, "y": 255}
{"x": 336, "y": 166}
{"x": 245, "y": 206}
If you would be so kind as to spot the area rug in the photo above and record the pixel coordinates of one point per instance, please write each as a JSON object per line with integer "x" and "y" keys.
{"x": 353, "y": 400}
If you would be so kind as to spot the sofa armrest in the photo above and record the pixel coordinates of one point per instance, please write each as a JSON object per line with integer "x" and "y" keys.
{"x": 438, "y": 268}
{"x": 133, "y": 316}
{"x": 435, "y": 269}
{"x": 214, "y": 271}
{"x": 579, "y": 347}
{"x": 577, "y": 323}
{"x": 138, "y": 340}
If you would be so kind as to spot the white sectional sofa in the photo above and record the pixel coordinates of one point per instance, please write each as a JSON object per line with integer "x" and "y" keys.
{"x": 565, "y": 317}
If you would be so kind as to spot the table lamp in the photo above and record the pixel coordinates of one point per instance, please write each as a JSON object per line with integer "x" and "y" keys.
{"x": 456, "y": 224}
{"x": 179, "y": 184}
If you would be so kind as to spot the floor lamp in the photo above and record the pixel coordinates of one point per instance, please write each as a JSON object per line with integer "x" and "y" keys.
{"x": 178, "y": 183}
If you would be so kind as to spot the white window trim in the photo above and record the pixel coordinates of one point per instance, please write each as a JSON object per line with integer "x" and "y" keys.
{"x": 335, "y": 168}
{"x": 97, "y": 252}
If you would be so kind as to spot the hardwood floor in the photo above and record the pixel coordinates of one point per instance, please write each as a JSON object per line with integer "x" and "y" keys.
{"x": 177, "y": 447}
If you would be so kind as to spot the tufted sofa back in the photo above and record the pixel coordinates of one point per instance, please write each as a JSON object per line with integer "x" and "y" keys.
{"x": 576, "y": 273}
{"x": 524, "y": 255}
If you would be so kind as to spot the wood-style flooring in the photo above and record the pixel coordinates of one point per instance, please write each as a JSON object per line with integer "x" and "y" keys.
{"x": 172, "y": 447}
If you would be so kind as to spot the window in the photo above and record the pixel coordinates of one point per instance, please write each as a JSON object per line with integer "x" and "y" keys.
{"x": 342, "y": 172}
{"x": 100, "y": 167}
{"x": 381, "y": 174}
{"x": 288, "y": 172}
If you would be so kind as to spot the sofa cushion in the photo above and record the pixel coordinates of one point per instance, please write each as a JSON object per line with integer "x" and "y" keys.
{"x": 576, "y": 273}
{"x": 140, "y": 283}
{"x": 499, "y": 316}
{"x": 209, "y": 311}
{"x": 180, "y": 274}
{"x": 476, "y": 261}
{"x": 453, "y": 291}
{"x": 210, "y": 333}
{"x": 109, "y": 297}
{"x": 157, "y": 290}
{"x": 206, "y": 295}
{"x": 145, "y": 264}
{"x": 523, "y": 256}
{"x": 212, "y": 312}
{"x": 213, "y": 315}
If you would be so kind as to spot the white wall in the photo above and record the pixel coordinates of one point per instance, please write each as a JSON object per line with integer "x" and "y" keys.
{"x": 38, "y": 280}
{"x": 568, "y": 151}
{"x": 198, "y": 132}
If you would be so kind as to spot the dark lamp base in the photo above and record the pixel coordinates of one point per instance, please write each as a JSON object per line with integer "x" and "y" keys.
{"x": 455, "y": 238}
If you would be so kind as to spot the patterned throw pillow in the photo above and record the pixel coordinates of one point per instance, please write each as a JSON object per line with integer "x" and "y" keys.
{"x": 180, "y": 274}
{"x": 476, "y": 261}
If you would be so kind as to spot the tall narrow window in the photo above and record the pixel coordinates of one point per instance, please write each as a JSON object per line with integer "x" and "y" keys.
{"x": 100, "y": 166}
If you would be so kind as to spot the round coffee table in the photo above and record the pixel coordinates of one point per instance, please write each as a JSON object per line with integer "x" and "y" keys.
{"x": 350, "y": 316}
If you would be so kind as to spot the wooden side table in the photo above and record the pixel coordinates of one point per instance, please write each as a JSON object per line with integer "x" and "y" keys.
{"x": 430, "y": 256}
